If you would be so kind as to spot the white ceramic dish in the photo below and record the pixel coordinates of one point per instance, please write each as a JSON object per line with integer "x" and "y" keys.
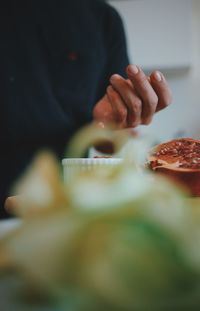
{"x": 74, "y": 166}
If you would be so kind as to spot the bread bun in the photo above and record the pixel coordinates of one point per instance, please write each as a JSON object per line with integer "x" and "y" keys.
{"x": 180, "y": 160}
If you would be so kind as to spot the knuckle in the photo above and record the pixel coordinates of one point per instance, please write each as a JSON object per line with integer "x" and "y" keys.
{"x": 135, "y": 105}
{"x": 121, "y": 115}
{"x": 141, "y": 80}
{"x": 151, "y": 103}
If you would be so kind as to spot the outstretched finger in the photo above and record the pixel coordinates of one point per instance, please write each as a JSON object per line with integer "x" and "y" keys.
{"x": 162, "y": 90}
{"x": 145, "y": 91}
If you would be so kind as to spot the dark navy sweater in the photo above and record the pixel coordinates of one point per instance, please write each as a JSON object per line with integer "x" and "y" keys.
{"x": 56, "y": 57}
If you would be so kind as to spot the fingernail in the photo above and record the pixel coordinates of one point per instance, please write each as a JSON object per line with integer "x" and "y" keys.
{"x": 114, "y": 77}
{"x": 157, "y": 75}
{"x": 133, "y": 69}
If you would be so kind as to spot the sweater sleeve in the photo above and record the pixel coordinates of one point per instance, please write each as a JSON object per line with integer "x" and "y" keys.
{"x": 116, "y": 48}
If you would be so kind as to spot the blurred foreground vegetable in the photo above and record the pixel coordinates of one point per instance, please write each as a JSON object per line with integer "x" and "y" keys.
{"x": 117, "y": 239}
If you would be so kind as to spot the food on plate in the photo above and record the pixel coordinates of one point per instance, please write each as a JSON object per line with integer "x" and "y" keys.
{"x": 180, "y": 160}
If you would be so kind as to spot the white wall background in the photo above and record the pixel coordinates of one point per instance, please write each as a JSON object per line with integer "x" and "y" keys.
{"x": 165, "y": 35}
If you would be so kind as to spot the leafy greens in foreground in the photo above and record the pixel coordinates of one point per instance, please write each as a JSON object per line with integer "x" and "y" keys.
{"x": 115, "y": 239}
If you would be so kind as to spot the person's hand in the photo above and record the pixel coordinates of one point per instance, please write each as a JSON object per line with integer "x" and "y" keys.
{"x": 133, "y": 101}
{"x": 11, "y": 203}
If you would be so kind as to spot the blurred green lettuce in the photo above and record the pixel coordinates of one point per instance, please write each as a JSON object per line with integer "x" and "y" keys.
{"x": 120, "y": 239}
